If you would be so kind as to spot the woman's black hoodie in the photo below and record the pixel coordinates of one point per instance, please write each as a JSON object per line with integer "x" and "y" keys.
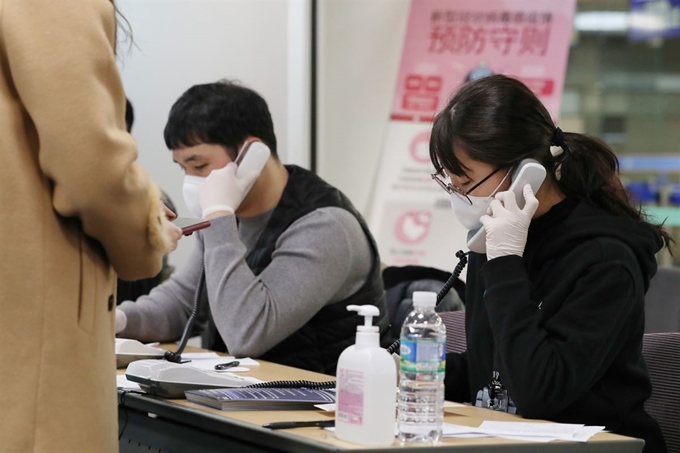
{"x": 565, "y": 322}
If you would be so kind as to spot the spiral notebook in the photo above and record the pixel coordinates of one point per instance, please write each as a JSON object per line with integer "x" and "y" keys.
{"x": 260, "y": 399}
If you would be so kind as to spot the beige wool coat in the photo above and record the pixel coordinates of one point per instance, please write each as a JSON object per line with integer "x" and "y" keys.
{"x": 74, "y": 208}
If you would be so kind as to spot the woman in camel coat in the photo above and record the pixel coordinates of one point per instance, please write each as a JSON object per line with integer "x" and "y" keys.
{"x": 75, "y": 208}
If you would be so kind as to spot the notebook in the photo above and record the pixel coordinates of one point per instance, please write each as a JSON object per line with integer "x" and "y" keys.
{"x": 260, "y": 399}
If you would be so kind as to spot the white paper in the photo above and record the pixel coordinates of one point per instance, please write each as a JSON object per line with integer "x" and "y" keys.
{"x": 452, "y": 404}
{"x": 529, "y": 439}
{"x": 587, "y": 432}
{"x": 199, "y": 355}
{"x": 330, "y": 407}
{"x": 580, "y": 433}
{"x": 123, "y": 384}
{"x": 209, "y": 363}
{"x": 524, "y": 431}
{"x": 554, "y": 430}
{"x": 452, "y": 430}
{"x": 448, "y": 429}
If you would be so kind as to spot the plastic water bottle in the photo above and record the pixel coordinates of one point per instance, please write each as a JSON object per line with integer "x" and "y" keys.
{"x": 421, "y": 374}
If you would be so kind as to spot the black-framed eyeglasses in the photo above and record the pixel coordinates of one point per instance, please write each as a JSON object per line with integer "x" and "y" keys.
{"x": 450, "y": 188}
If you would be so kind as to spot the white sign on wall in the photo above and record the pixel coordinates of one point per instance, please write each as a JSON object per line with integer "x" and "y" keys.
{"x": 413, "y": 221}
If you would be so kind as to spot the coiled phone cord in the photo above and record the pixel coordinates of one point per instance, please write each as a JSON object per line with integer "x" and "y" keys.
{"x": 462, "y": 262}
{"x": 326, "y": 385}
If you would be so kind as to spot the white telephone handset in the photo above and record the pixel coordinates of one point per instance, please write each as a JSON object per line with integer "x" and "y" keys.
{"x": 529, "y": 171}
{"x": 171, "y": 380}
{"x": 253, "y": 158}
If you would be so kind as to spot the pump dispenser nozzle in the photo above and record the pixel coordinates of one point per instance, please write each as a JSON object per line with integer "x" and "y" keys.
{"x": 368, "y": 312}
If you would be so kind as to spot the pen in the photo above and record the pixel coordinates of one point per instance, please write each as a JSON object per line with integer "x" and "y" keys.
{"x": 227, "y": 365}
{"x": 301, "y": 424}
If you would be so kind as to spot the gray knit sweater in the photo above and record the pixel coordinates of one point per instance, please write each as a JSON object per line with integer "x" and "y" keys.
{"x": 322, "y": 258}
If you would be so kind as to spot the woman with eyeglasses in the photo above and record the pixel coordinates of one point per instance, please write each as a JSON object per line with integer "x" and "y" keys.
{"x": 555, "y": 314}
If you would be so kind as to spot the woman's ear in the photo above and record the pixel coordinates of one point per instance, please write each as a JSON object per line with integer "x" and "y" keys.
{"x": 548, "y": 195}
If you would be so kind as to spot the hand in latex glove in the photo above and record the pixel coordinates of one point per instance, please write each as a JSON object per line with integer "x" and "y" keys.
{"x": 507, "y": 227}
{"x": 121, "y": 321}
{"x": 223, "y": 192}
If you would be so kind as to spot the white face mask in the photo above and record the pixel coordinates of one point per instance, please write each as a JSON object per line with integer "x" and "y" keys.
{"x": 190, "y": 189}
{"x": 469, "y": 216}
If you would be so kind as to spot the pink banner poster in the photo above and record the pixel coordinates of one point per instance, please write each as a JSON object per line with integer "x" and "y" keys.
{"x": 449, "y": 42}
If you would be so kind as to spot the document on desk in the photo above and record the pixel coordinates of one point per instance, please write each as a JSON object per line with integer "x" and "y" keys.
{"x": 331, "y": 407}
{"x": 526, "y": 431}
{"x": 123, "y": 384}
{"x": 246, "y": 361}
{"x": 209, "y": 363}
{"x": 200, "y": 355}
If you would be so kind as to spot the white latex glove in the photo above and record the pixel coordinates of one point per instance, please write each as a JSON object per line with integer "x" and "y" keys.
{"x": 222, "y": 191}
{"x": 121, "y": 321}
{"x": 507, "y": 227}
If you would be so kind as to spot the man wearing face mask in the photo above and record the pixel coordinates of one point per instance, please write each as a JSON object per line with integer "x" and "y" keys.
{"x": 283, "y": 258}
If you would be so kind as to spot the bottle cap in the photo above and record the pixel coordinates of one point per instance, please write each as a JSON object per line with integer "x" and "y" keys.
{"x": 424, "y": 299}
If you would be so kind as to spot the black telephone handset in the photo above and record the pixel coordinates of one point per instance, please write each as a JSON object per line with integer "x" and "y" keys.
{"x": 529, "y": 171}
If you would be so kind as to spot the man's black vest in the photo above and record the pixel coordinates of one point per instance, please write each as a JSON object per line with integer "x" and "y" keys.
{"x": 317, "y": 345}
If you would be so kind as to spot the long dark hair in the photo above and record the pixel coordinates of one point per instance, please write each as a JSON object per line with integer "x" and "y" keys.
{"x": 500, "y": 121}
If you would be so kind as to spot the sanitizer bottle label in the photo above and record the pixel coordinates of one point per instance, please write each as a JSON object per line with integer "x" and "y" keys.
{"x": 351, "y": 397}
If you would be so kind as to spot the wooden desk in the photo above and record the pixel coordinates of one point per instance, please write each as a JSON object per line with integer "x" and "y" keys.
{"x": 152, "y": 424}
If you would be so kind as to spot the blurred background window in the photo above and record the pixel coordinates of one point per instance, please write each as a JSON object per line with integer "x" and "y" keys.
{"x": 623, "y": 86}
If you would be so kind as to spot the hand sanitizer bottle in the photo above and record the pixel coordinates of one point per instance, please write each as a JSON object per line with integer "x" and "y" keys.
{"x": 366, "y": 387}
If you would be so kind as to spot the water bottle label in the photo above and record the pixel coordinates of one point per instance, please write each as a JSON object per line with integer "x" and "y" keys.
{"x": 350, "y": 397}
{"x": 422, "y": 352}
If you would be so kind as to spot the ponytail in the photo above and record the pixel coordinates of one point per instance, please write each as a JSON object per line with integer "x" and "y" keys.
{"x": 589, "y": 169}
